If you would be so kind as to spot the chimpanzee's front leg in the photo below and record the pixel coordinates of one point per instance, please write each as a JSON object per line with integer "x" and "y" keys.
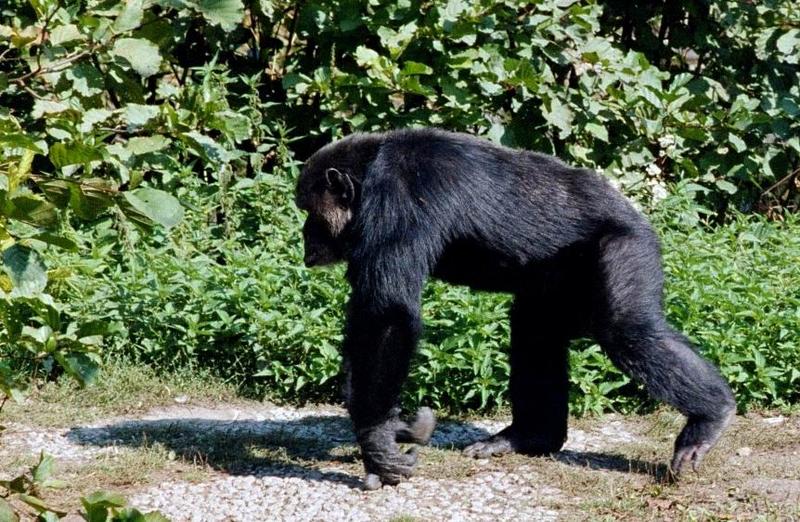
{"x": 416, "y": 431}
{"x": 378, "y": 346}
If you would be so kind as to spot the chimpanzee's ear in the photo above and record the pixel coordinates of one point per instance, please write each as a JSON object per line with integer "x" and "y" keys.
{"x": 340, "y": 184}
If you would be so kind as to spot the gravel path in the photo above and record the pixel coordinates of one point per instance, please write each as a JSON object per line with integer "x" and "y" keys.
{"x": 260, "y": 462}
{"x": 324, "y": 495}
{"x": 329, "y": 491}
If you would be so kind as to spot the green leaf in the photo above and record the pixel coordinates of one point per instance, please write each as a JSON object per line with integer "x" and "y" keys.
{"x": 138, "y": 115}
{"x": 130, "y": 17}
{"x": 73, "y": 154}
{"x": 89, "y": 198}
{"x": 21, "y": 141}
{"x": 48, "y": 516}
{"x": 209, "y": 149}
{"x": 560, "y": 116}
{"x": 95, "y": 513}
{"x": 86, "y": 79}
{"x": 224, "y": 13}
{"x": 38, "y": 504}
{"x": 103, "y": 498}
{"x": 147, "y": 144}
{"x": 33, "y": 209}
{"x": 7, "y": 513}
{"x": 597, "y": 130}
{"x": 452, "y": 10}
{"x": 365, "y": 56}
{"x": 737, "y": 142}
{"x": 692, "y": 133}
{"x": 79, "y": 365}
{"x": 25, "y": 269}
{"x": 56, "y": 240}
{"x": 129, "y": 515}
{"x": 157, "y": 205}
{"x": 235, "y": 125}
{"x": 789, "y": 41}
{"x": 410, "y": 68}
{"x": 57, "y": 191}
{"x": 92, "y": 117}
{"x": 726, "y": 186}
{"x": 65, "y": 33}
{"x": 42, "y": 107}
{"x": 141, "y": 54}
{"x": 44, "y": 468}
{"x": 155, "y": 516}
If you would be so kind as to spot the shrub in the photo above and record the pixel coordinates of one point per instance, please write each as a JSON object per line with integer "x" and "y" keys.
{"x": 112, "y": 113}
{"x": 244, "y": 306}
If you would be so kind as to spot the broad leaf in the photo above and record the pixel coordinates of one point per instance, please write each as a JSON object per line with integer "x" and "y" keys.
{"x": 141, "y": 54}
{"x": 48, "y": 516}
{"x": 156, "y": 205}
{"x": 208, "y": 148}
{"x": 79, "y": 365}
{"x": 44, "y": 469}
{"x": 737, "y": 142}
{"x": 91, "y": 197}
{"x": 92, "y": 117}
{"x": 25, "y": 269}
{"x": 7, "y": 513}
{"x": 789, "y": 42}
{"x": 410, "y": 68}
{"x": 103, "y": 498}
{"x": 560, "y": 116}
{"x": 130, "y": 17}
{"x": 597, "y": 130}
{"x": 147, "y": 144}
{"x": 225, "y": 13}
{"x": 138, "y": 115}
{"x": 726, "y": 186}
{"x": 73, "y": 154}
{"x": 54, "y": 239}
{"x": 38, "y": 504}
{"x": 34, "y": 210}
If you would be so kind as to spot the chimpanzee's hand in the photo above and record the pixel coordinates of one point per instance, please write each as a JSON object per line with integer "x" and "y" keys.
{"x": 419, "y": 430}
{"x": 383, "y": 460}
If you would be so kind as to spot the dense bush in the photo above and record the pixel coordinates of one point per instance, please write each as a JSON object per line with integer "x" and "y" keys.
{"x": 243, "y": 306}
{"x": 111, "y": 110}
{"x": 703, "y": 90}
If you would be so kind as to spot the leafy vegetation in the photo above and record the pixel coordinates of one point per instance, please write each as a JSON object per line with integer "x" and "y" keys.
{"x": 21, "y": 498}
{"x": 148, "y": 150}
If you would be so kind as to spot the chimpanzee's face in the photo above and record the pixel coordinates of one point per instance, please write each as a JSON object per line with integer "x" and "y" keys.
{"x": 327, "y": 195}
{"x": 321, "y": 247}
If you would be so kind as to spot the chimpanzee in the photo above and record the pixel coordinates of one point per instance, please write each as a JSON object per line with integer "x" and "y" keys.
{"x": 404, "y": 205}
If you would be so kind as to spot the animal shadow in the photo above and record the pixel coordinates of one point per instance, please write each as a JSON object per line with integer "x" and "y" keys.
{"x": 294, "y": 447}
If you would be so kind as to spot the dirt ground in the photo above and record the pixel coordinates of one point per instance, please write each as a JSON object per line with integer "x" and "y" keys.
{"x": 195, "y": 459}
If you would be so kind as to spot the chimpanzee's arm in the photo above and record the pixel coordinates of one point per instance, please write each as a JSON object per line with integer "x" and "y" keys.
{"x": 379, "y": 344}
{"x": 383, "y": 326}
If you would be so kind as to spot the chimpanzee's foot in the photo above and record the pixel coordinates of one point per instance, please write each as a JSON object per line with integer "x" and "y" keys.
{"x": 384, "y": 463}
{"x": 696, "y": 438}
{"x": 419, "y": 431}
{"x": 510, "y": 440}
{"x": 388, "y": 467}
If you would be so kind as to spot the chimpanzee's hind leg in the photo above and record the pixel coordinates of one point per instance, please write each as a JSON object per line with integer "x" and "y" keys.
{"x": 539, "y": 384}
{"x": 632, "y": 329}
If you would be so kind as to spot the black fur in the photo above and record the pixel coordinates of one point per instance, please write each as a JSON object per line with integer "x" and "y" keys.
{"x": 578, "y": 257}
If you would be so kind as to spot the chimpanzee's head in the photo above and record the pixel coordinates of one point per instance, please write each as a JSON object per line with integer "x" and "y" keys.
{"x": 328, "y": 194}
{"x": 329, "y": 189}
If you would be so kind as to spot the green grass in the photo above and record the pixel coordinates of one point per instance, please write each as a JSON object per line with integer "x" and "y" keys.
{"x": 123, "y": 388}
